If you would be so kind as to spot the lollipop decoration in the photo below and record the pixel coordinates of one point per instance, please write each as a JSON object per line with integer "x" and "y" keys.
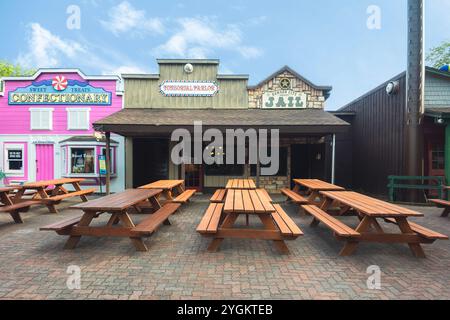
{"x": 59, "y": 83}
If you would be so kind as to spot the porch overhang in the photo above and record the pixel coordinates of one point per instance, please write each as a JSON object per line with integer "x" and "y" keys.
{"x": 162, "y": 122}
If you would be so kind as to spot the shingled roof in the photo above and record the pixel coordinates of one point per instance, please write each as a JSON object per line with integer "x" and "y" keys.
{"x": 305, "y": 119}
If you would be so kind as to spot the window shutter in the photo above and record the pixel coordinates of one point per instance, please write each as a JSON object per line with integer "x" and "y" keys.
{"x": 78, "y": 119}
{"x": 41, "y": 119}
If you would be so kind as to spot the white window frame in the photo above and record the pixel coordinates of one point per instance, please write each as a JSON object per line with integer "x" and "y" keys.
{"x": 69, "y": 159}
{"x": 113, "y": 160}
{"x": 50, "y": 117}
{"x": 88, "y": 118}
{"x": 64, "y": 160}
{"x": 9, "y": 146}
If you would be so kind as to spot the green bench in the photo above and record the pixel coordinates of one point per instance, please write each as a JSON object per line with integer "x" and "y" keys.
{"x": 415, "y": 183}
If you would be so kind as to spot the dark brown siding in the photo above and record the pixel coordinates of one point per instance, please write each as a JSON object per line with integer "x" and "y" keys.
{"x": 377, "y": 138}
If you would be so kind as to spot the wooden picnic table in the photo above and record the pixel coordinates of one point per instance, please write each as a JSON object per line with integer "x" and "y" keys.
{"x": 220, "y": 218}
{"x": 117, "y": 205}
{"x": 13, "y": 205}
{"x": 169, "y": 187}
{"x": 240, "y": 184}
{"x": 370, "y": 211}
{"x": 51, "y": 192}
{"x": 314, "y": 186}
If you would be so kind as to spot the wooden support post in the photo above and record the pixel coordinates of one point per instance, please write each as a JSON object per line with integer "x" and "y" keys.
{"x": 108, "y": 161}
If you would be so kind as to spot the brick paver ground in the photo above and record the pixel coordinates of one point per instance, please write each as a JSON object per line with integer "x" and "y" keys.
{"x": 33, "y": 264}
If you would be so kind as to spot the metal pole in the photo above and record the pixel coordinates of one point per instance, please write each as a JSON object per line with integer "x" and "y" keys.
{"x": 415, "y": 80}
{"x": 333, "y": 157}
{"x": 258, "y": 169}
{"x": 108, "y": 161}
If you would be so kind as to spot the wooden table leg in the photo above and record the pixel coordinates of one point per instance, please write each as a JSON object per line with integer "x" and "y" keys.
{"x": 58, "y": 188}
{"x": 312, "y": 197}
{"x": 43, "y": 194}
{"x": 296, "y": 188}
{"x": 86, "y": 219}
{"x": 228, "y": 222}
{"x": 8, "y": 202}
{"x": 404, "y": 226}
{"x": 180, "y": 189}
{"x": 445, "y": 212}
{"x": 270, "y": 225}
{"x": 77, "y": 187}
{"x": 137, "y": 241}
{"x": 168, "y": 194}
{"x": 351, "y": 245}
{"x": 154, "y": 201}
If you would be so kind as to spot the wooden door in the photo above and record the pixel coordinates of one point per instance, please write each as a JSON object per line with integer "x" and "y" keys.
{"x": 44, "y": 162}
{"x": 193, "y": 176}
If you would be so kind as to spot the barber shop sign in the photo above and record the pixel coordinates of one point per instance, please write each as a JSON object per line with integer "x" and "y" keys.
{"x": 284, "y": 99}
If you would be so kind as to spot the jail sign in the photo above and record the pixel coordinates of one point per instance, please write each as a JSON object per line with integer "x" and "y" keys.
{"x": 284, "y": 99}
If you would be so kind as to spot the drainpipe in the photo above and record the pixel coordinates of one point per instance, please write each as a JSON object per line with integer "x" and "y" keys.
{"x": 333, "y": 157}
{"x": 108, "y": 161}
{"x": 447, "y": 155}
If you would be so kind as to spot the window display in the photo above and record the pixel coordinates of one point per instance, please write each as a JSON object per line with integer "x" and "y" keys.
{"x": 82, "y": 160}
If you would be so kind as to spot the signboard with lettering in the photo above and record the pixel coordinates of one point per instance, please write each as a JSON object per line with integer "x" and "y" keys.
{"x": 284, "y": 99}
{"x": 59, "y": 91}
{"x": 188, "y": 88}
{"x": 102, "y": 164}
{"x": 14, "y": 154}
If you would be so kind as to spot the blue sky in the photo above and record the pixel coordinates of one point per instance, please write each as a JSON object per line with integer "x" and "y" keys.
{"x": 326, "y": 41}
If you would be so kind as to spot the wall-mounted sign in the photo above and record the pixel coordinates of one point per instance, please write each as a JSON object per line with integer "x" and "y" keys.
{"x": 189, "y": 88}
{"x": 59, "y": 91}
{"x": 14, "y": 154}
{"x": 284, "y": 99}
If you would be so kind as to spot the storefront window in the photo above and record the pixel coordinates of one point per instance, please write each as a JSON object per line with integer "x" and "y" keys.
{"x": 14, "y": 159}
{"x": 82, "y": 160}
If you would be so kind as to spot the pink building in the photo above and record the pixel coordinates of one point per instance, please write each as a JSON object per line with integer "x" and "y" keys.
{"x": 46, "y": 126}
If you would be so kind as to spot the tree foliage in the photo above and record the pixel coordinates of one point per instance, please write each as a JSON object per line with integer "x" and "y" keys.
{"x": 8, "y": 69}
{"x": 440, "y": 55}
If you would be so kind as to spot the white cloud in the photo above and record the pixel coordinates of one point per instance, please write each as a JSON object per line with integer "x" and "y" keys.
{"x": 46, "y": 49}
{"x": 125, "y": 18}
{"x": 200, "y": 37}
{"x": 249, "y": 52}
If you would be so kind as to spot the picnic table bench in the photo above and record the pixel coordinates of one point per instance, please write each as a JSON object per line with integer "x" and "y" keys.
{"x": 369, "y": 211}
{"x": 117, "y": 205}
{"x": 442, "y": 204}
{"x": 52, "y": 192}
{"x": 219, "y": 219}
{"x": 13, "y": 205}
{"x": 170, "y": 188}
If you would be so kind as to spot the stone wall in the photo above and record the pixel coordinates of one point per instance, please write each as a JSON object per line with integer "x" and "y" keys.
{"x": 315, "y": 98}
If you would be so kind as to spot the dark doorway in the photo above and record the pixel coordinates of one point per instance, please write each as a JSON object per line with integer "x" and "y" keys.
{"x": 150, "y": 160}
{"x": 193, "y": 176}
{"x": 308, "y": 161}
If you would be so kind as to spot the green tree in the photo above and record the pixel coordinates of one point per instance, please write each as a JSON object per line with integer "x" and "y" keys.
{"x": 440, "y": 55}
{"x": 8, "y": 69}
